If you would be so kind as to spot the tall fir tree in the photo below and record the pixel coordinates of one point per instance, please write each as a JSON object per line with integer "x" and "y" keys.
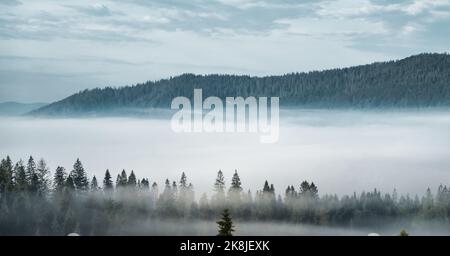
{"x": 20, "y": 176}
{"x": 6, "y": 175}
{"x": 236, "y": 183}
{"x": 132, "y": 180}
{"x": 107, "y": 182}
{"x": 79, "y": 176}
{"x": 59, "y": 179}
{"x": 219, "y": 187}
{"x": 94, "y": 184}
{"x": 226, "y": 227}
{"x": 43, "y": 174}
{"x": 31, "y": 169}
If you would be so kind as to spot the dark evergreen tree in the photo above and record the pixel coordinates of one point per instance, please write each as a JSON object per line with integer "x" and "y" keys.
{"x": 132, "y": 180}
{"x": 43, "y": 174}
{"x": 226, "y": 227}
{"x": 70, "y": 184}
{"x": 219, "y": 188}
{"x": 236, "y": 183}
{"x": 79, "y": 176}
{"x": 107, "y": 182}
{"x": 31, "y": 169}
{"x": 34, "y": 184}
{"x": 20, "y": 176}
{"x": 6, "y": 176}
{"x": 59, "y": 180}
{"x": 94, "y": 184}
{"x": 183, "y": 181}
{"x": 122, "y": 179}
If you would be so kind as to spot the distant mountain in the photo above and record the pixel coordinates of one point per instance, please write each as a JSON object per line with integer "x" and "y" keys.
{"x": 16, "y": 108}
{"x": 418, "y": 81}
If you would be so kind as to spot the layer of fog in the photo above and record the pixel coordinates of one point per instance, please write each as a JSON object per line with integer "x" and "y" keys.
{"x": 341, "y": 151}
{"x": 193, "y": 228}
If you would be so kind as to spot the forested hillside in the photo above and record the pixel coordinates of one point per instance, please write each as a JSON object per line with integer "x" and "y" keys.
{"x": 417, "y": 81}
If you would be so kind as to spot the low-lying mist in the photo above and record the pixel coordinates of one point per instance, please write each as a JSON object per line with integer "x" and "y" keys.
{"x": 193, "y": 228}
{"x": 343, "y": 151}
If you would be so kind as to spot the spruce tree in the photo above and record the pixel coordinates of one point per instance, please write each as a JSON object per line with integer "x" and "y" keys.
{"x": 122, "y": 179}
{"x": 219, "y": 184}
{"x": 6, "y": 176}
{"x": 266, "y": 188}
{"x": 304, "y": 189}
{"x": 31, "y": 169}
{"x": 183, "y": 181}
{"x": 314, "y": 192}
{"x": 94, "y": 184}
{"x": 219, "y": 187}
{"x": 43, "y": 174}
{"x": 236, "y": 183}
{"x": 34, "y": 184}
{"x": 79, "y": 176}
{"x": 132, "y": 180}
{"x": 59, "y": 179}
{"x": 226, "y": 227}
{"x": 20, "y": 176}
{"x": 107, "y": 182}
{"x": 70, "y": 184}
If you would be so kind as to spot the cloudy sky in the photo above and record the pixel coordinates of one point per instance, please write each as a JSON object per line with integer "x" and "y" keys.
{"x": 51, "y": 49}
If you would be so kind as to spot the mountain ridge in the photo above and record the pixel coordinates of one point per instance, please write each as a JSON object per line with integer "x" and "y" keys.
{"x": 421, "y": 80}
{"x": 13, "y": 108}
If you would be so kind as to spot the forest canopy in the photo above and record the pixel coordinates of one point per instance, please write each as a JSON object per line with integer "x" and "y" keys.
{"x": 417, "y": 81}
{"x": 35, "y": 201}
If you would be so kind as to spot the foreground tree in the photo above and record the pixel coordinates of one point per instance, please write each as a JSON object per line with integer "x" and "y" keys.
{"x": 226, "y": 227}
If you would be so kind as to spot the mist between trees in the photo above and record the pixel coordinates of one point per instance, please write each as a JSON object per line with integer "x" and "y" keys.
{"x": 33, "y": 201}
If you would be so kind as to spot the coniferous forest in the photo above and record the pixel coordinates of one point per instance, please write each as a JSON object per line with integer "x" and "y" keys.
{"x": 416, "y": 81}
{"x": 36, "y": 201}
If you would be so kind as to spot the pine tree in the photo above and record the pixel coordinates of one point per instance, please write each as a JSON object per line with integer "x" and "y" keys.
{"x": 145, "y": 184}
{"x": 314, "y": 192}
{"x": 107, "y": 182}
{"x": 132, "y": 180}
{"x": 79, "y": 176}
{"x": 266, "y": 188}
{"x": 183, "y": 181}
{"x": 59, "y": 179}
{"x": 304, "y": 189}
{"x": 94, "y": 184}
{"x": 236, "y": 183}
{"x": 219, "y": 187}
{"x": 122, "y": 179}
{"x": 226, "y": 227}
{"x": 6, "y": 176}
{"x": 20, "y": 176}
{"x": 43, "y": 174}
{"x": 70, "y": 184}
{"x": 118, "y": 181}
{"x": 31, "y": 169}
{"x": 33, "y": 187}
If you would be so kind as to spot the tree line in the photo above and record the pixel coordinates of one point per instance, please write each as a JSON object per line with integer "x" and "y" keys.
{"x": 416, "y": 81}
{"x": 35, "y": 201}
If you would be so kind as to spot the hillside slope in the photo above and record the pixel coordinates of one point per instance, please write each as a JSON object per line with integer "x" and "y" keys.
{"x": 418, "y": 81}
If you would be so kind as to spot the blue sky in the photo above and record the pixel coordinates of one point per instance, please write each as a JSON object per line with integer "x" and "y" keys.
{"x": 51, "y": 49}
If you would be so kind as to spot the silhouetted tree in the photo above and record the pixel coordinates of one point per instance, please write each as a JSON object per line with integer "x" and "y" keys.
{"x": 226, "y": 227}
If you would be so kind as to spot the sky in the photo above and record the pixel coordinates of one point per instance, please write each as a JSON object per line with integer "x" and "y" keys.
{"x": 52, "y": 49}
